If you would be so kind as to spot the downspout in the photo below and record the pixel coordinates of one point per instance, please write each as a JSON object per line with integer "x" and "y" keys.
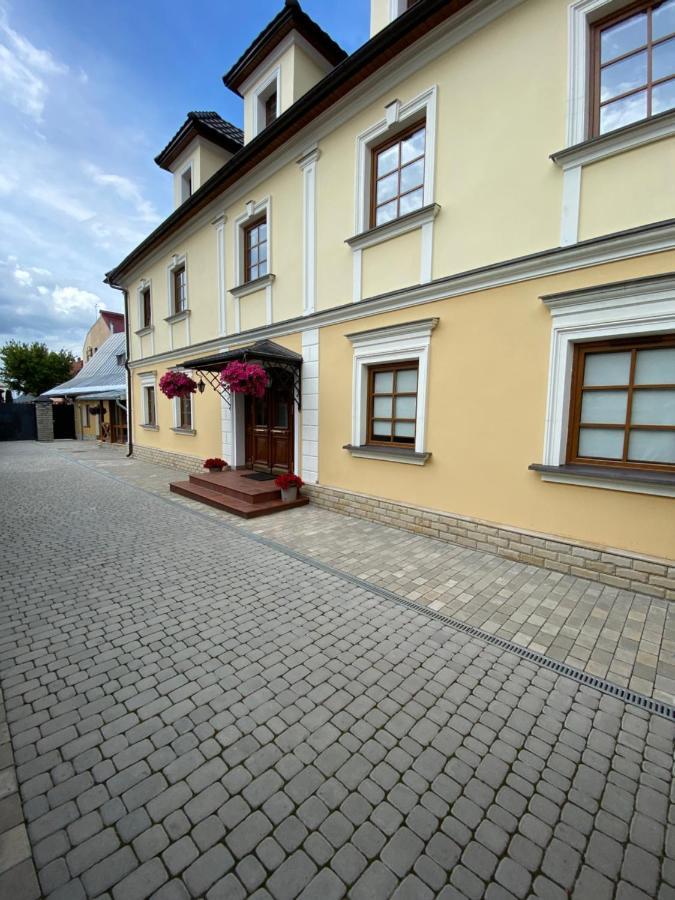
{"x": 130, "y": 440}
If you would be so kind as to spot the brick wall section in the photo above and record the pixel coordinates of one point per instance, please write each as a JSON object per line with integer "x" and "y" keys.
{"x": 179, "y": 461}
{"x": 645, "y": 574}
{"x": 44, "y": 416}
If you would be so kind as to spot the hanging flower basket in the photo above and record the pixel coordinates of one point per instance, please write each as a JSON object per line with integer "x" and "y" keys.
{"x": 93, "y": 410}
{"x": 245, "y": 378}
{"x": 177, "y": 384}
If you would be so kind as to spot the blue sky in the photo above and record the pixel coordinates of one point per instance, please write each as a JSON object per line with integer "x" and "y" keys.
{"x": 89, "y": 94}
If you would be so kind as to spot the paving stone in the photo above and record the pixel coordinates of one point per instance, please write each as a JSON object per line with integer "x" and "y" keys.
{"x": 142, "y": 883}
{"x": 207, "y": 869}
{"x": 292, "y": 876}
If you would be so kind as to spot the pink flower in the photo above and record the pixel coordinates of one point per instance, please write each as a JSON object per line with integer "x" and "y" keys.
{"x": 177, "y": 384}
{"x": 245, "y": 378}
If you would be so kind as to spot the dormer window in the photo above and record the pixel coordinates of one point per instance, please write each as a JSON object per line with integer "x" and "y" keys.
{"x": 266, "y": 102}
{"x": 270, "y": 109}
{"x": 186, "y": 184}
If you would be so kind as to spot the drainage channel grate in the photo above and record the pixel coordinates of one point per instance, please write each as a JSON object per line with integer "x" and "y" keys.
{"x": 657, "y": 707}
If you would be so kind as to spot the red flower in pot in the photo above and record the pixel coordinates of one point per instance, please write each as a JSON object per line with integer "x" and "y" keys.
{"x": 290, "y": 484}
{"x": 215, "y": 464}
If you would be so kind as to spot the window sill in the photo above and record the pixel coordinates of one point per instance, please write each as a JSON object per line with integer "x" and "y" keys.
{"x": 614, "y": 142}
{"x": 388, "y": 454}
{"x": 190, "y": 431}
{"x": 396, "y": 227}
{"x": 250, "y": 287}
{"x": 178, "y": 317}
{"x": 149, "y": 427}
{"x": 142, "y": 332}
{"x": 634, "y": 481}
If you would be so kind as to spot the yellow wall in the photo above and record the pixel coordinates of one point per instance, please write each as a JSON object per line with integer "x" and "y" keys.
{"x": 392, "y": 265}
{"x": 89, "y": 432}
{"x": 485, "y": 420}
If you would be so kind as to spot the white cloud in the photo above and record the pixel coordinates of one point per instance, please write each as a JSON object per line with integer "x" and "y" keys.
{"x": 23, "y": 68}
{"x": 126, "y": 189}
{"x": 69, "y": 300}
{"x": 23, "y": 277}
{"x": 42, "y": 290}
{"x": 60, "y": 200}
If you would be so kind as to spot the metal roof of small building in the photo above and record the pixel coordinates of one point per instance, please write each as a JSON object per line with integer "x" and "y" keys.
{"x": 101, "y": 373}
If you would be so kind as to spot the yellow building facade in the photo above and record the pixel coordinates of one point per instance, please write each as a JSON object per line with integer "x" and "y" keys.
{"x": 465, "y": 233}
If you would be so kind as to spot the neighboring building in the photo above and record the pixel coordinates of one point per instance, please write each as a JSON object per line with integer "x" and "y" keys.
{"x": 106, "y": 324}
{"x": 462, "y": 236}
{"x": 98, "y": 392}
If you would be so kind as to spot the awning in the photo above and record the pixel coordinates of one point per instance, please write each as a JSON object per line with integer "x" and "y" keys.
{"x": 283, "y": 366}
{"x": 103, "y": 395}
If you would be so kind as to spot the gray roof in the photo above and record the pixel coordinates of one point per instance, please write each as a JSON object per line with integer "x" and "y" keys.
{"x": 101, "y": 373}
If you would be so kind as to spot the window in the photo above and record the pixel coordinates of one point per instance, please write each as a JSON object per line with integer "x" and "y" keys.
{"x": 186, "y": 185}
{"x": 179, "y": 290}
{"x": 185, "y": 413}
{"x": 84, "y": 415}
{"x": 392, "y": 404}
{"x": 255, "y": 249}
{"x": 633, "y": 58}
{"x": 623, "y": 404}
{"x": 149, "y": 403}
{"x": 270, "y": 109}
{"x": 146, "y": 308}
{"x": 398, "y": 175}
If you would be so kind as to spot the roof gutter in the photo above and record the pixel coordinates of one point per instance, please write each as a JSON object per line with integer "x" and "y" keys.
{"x": 385, "y": 45}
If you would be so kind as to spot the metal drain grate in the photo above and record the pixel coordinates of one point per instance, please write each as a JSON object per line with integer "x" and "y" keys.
{"x": 260, "y": 476}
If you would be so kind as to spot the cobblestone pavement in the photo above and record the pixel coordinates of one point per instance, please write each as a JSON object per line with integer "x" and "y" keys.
{"x": 625, "y": 637}
{"x": 195, "y": 714}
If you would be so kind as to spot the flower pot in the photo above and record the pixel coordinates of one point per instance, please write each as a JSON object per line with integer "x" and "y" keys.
{"x": 212, "y": 469}
{"x": 288, "y": 495}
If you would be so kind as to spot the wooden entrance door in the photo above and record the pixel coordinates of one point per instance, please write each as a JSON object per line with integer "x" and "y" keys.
{"x": 269, "y": 431}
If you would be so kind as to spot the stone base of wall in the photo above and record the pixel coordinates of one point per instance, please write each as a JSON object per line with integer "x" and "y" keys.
{"x": 178, "y": 461}
{"x": 618, "y": 568}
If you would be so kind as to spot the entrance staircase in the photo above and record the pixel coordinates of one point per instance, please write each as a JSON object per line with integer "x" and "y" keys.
{"x": 236, "y": 493}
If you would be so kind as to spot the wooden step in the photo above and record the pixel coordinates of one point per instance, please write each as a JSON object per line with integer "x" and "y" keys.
{"x": 231, "y": 504}
{"x": 237, "y": 485}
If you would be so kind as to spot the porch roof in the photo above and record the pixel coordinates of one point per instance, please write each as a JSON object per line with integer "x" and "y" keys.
{"x": 105, "y": 395}
{"x": 265, "y": 351}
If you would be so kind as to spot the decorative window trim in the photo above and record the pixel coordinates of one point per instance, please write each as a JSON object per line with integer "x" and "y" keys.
{"x": 392, "y": 229}
{"x": 644, "y": 306}
{"x": 241, "y": 287}
{"x": 176, "y": 263}
{"x": 308, "y": 165}
{"x": 84, "y": 416}
{"x": 176, "y": 416}
{"x": 396, "y": 116}
{"x": 147, "y": 380}
{"x": 397, "y": 343}
{"x": 145, "y": 284}
{"x": 260, "y": 94}
{"x": 181, "y": 176}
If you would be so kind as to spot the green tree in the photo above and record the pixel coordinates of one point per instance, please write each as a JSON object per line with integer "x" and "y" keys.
{"x": 34, "y": 368}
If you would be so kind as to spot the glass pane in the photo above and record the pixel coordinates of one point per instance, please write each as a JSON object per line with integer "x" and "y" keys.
{"x": 663, "y": 20}
{"x": 262, "y": 268}
{"x": 412, "y": 176}
{"x": 655, "y": 366}
{"x": 653, "y": 408}
{"x": 663, "y": 60}
{"x": 387, "y": 161}
{"x": 623, "y": 112}
{"x": 281, "y": 414}
{"x": 381, "y": 428}
{"x": 652, "y": 446}
{"x": 386, "y": 213}
{"x": 663, "y": 97}
{"x": 253, "y": 273}
{"x": 601, "y": 443}
{"x": 262, "y": 252}
{"x": 406, "y": 381}
{"x": 260, "y": 412}
{"x": 404, "y": 430}
{"x": 607, "y": 368}
{"x": 382, "y": 407}
{"x": 411, "y": 202}
{"x": 253, "y": 255}
{"x": 623, "y": 37}
{"x": 253, "y": 237}
{"x": 412, "y": 147}
{"x": 387, "y": 188}
{"x": 262, "y": 232}
{"x": 405, "y": 407}
{"x": 384, "y": 382}
{"x": 623, "y": 76}
{"x": 604, "y": 407}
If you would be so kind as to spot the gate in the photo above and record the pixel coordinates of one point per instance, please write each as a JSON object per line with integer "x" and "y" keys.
{"x": 64, "y": 421}
{"x": 17, "y": 422}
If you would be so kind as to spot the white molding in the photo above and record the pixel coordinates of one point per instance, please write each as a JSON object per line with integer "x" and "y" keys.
{"x": 646, "y": 131}
{"x": 219, "y": 225}
{"x": 357, "y": 275}
{"x": 237, "y": 315}
{"x": 398, "y": 343}
{"x": 308, "y": 164}
{"x": 392, "y": 456}
{"x": 177, "y": 260}
{"x": 255, "y": 78}
{"x": 610, "y": 484}
{"x": 263, "y": 86}
{"x": 176, "y": 415}
{"x": 226, "y": 431}
{"x": 571, "y": 203}
{"x": 193, "y": 186}
{"x": 309, "y": 465}
{"x": 252, "y": 287}
{"x": 147, "y": 380}
{"x": 252, "y": 211}
{"x": 587, "y": 254}
{"x": 625, "y": 309}
{"x": 381, "y": 233}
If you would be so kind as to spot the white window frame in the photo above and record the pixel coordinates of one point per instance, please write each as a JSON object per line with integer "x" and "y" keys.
{"x": 626, "y": 309}
{"x": 176, "y": 263}
{"x": 242, "y": 288}
{"x": 144, "y": 285}
{"x": 84, "y": 415}
{"x": 189, "y": 168}
{"x": 270, "y": 84}
{"x": 148, "y": 381}
{"x": 397, "y": 343}
{"x": 176, "y": 416}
